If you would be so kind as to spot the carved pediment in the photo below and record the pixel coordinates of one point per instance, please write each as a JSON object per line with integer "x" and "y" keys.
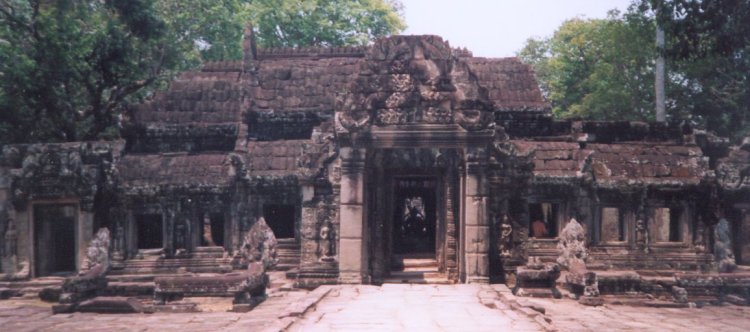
{"x": 51, "y": 171}
{"x": 414, "y": 80}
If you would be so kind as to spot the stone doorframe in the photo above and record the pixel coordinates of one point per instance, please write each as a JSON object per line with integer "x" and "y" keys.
{"x": 82, "y": 228}
{"x": 473, "y": 192}
{"x": 384, "y": 168}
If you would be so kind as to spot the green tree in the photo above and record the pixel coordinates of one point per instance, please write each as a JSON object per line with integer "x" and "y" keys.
{"x": 709, "y": 46}
{"x": 323, "y": 22}
{"x": 68, "y": 68}
{"x": 597, "y": 68}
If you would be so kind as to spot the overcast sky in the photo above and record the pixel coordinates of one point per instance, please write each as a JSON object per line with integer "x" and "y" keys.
{"x": 498, "y": 28}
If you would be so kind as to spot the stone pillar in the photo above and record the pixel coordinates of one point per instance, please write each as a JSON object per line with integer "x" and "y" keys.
{"x": 353, "y": 254}
{"x": 85, "y": 233}
{"x": 476, "y": 220}
{"x": 308, "y": 229}
{"x": 451, "y": 243}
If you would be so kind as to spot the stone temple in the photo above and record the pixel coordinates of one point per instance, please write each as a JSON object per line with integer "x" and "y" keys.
{"x": 369, "y": 163}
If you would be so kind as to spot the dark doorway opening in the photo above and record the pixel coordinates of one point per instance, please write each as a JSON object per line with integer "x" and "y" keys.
{"x": 280, "y": 217}
{"x": 414, "y": 215}
{"x": 54, "y": 239}
{"x": 212, "y": 230}
{"x": 150, "y": 230}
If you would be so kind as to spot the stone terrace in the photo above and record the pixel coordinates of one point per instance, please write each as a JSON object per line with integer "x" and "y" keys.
{"x": 391, "y": 307}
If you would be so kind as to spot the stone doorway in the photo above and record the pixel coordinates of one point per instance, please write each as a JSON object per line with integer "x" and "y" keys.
{"x": 54, "y": 239}
{"x": 415, "y": 216}
{"x": 150, "y": 231}
{"x": 212, "y": 230}
{"x": 280, "y": 217}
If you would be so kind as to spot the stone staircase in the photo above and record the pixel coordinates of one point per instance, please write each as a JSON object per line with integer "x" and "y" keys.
{"x": 288, "y": 254}
{"x": 201, "y": 260}
{"x": 29, "y": 288}
{"x": 416, "y": 269}
{"x": 545, "y": 249}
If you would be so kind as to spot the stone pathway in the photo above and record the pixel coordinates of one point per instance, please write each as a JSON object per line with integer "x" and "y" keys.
{"x": 34, "y": 315}
{"x": 391, "y": 307}
{"x": 403, "y": 307}
{"x": 568, "y": 315}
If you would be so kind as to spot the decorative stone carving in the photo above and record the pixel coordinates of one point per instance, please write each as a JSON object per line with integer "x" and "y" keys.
{"x": 537, "y": 279}
{"x": 97, "y": 253}
{"x": 506, "y": 237}
{"x": 414, "y": 80}
{"x": 679, "y": 294}
{"x": 641, "y": 234}
{"x": 573, "y": 255}
{"x": 327, "y": 249}
{"x": 313, "y": 164}
{"x": 590, "y": 294}
{"x": 12, "y": 268}
{"x": 92, "y": 278}
{"x": 326, "y": 233}
{"x": 572, "y": 244}
{"x": 259, "y": 244}
{"x": 723, "y": 247}
{"x": 57, "y": 170}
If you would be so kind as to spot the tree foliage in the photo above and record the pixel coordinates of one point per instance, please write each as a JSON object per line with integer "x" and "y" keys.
{"x": 604, "y": 69}
{"x": 709, "y": 45}
{"x": 323, "y": 22}
{"x": 597, "y": 68}
{"x": 69, "y": 67}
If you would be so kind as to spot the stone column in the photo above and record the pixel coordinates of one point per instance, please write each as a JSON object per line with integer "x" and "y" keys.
{"x": 85, "y": 229}
{"x": 476, "y": 233}
{"x": 308, "y": 229}
{"x": 353, "y": 254}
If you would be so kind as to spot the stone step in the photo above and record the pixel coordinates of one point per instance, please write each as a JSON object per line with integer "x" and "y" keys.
{"x": 284, "y": 267}
{"x": 410, "y": 263}
{"x": 402, "y": 275}
{"x": 287, "y": 255}
{"x": 436, "y": 280}
{"x": 36, "y": 282}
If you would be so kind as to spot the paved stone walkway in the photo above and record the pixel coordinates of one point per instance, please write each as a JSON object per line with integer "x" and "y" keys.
{"x": 397, "y": 307}
{"x": 390, "y": 307}
{"x": 33, "y": 315}
{"x": 568, "y": 315}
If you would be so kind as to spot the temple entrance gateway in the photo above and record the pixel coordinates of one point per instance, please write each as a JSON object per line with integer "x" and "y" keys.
{"x": 414, "y": 216}
{"x": 54, "y": 239}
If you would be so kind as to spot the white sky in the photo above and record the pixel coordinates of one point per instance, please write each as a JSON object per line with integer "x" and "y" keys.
{"x": 498, "y": 28}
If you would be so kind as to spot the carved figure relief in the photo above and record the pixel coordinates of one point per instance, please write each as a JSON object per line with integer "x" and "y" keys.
{"x": 326, "y": 235}
{"x": 506, "y": 237}
{"x": 327, "y": 243}
{"x": 641, "y": 234}
{"x": 414, "y": 217}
